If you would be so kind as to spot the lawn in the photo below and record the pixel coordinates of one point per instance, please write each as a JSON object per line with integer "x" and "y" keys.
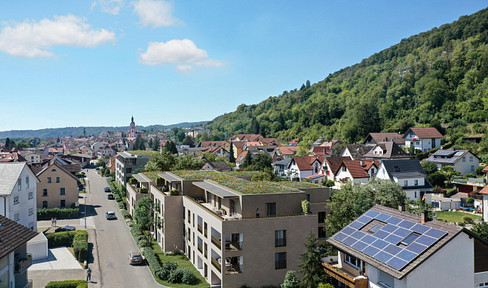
{"x": 183, "y": 262}
{"x": 455, "y": 216}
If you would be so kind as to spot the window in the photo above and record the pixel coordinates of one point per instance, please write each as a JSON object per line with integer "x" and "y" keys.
{"x": 16, "y": 200}
{"x": 31, "y": 195}
{"x": 321, "y": 233}
{"x": 280, "y": 260}
{"x": 63, "y": 203}
{"x": 19, "y": 184}
{"x": 57, "y": 179}
{"x": 44, "y": 204}
{"x": 270, "y": 209}
{"x": 416, "y": 182}
{"x": 44, "y": 192}
{"x": 472, "y": 168}
{"x": 375, "y": 228}
{"x": 405, "y": 182}
{"x": 344, "y": 169}
{"x": 321, "y": 217}
{"x": 353, "y": 261}
{"x": 27, "y": 182}
{"x": 409, "y": 239}
{"x": 464, "y": 159}
{"x": 49, "y": 180}
{"x": 31, "y": 211}
{"x": 280, "y": 238}
{"x": 470, "y": 158}
{"x": 62, "y": 191}
{"x": 17, "y": 216}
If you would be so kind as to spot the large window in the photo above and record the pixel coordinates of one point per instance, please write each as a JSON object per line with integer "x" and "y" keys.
{"x": 321, "y": 217}
{"x": 270, "y": 209}
{"x": 44, "y": 192}
{"x": 62, "y": 191}
{"x": 353, "y": 261}
{"x": 280, "y": 260}
{"x": 280, "y": 238}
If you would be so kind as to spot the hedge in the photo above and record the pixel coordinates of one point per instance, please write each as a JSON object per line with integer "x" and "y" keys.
{"x": 58, "y": 213}
{"x": 152, "y": 261}
{"x": 67, "y": 284}
{"x": 81, "y": 250}
{"x": 76, "y": 239}
{"x": 60, "y": 239}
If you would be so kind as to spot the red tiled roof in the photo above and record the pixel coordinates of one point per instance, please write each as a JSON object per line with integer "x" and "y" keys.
{"x": 484, "y": 190}
{"x": 241, "y": 156}
{"x": 334, "y": 163}
{"x": 305, "y": 162}
{"x": 239, "y": 144}
{"x": 270, "y": 141}
{"x": 247, "y": 137}
{"x": 355, "y": 169}
{"x": 485, "y": 170}
{"x": 212, "y": 143}
{"x": 321, "y": 151}
{"x": 288, "y": 150}
{"x": 426, "y": 132}
{"x": 253, "y": 143}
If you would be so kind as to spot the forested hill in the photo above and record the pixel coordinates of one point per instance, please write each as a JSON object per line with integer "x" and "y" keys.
{"x": 436, "y": 75}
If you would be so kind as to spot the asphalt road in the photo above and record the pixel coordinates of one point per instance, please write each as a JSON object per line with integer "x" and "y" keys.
{"x": 114, "y": 240}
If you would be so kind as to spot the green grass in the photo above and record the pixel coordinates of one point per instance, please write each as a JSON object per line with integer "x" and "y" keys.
{"x": 455, "y": 216}
{"x": 183, "y": 262}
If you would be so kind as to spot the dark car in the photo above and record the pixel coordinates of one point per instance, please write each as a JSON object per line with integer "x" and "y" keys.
{"x": 110, "y": 196}
{"x": 65, "y": 228}
{"x": 135, "y": 258}
{"x": 106, "y": 189}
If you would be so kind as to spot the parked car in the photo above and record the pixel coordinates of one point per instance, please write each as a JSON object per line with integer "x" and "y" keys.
{"x": 135, "y": 258}
{"x": 65, "y": 228}
{"x": 110, "y": 196}
{"x": 106, "y": 189}
{"x": 110, "y": 215}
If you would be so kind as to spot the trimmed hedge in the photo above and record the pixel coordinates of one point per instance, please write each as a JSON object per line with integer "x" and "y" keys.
{"x": 60, "y": 239}
{"x": 125, "y": 213}
{"x": 152, "y": 261}
{"x": 76, "y": 239}
{"x": 81, "y": 250}
{"x": 67, "y": 284}
{"x": 58, "y": 213}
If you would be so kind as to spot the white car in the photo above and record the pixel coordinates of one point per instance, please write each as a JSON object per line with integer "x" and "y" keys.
{"x": 110, "y": 215}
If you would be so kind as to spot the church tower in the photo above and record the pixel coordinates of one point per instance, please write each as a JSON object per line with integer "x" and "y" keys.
{"x": 132, "y": 130}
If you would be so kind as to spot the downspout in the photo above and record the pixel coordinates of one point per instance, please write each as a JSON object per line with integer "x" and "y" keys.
{"x": 4, "y": 206}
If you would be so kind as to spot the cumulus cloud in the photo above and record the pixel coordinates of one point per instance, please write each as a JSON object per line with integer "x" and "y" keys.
{"x": 109, "y": 6}
{"x": 35, "y": 39}
{"x": 155, "y": 13}
{"x": 183, "y": 53}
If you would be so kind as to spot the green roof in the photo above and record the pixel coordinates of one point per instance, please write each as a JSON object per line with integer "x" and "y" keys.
{"x": 142, "y": 152}
{"x": 238, "y": 184}
{"x": 153, "y": 175}
{"x": 300, "y": 185}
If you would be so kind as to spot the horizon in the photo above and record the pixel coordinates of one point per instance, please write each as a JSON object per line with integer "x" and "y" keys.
{"x": 79, "y": 64}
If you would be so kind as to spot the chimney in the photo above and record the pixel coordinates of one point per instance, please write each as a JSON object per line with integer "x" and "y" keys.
{"x": 401, "y": 207}
{"x": 424, "y": 216}
{"x": 361, "y": 163}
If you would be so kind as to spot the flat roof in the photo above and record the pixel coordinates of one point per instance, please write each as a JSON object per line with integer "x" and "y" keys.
{"x": 216, "y": 189}
{"x": 168, "y": 177}
{"x": 141, "y": 178}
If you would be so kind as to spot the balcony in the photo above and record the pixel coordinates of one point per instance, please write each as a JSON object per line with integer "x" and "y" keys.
{"x": 345, "y": 277}
{"x": 233, "y": 269}
{"x": 22, "y": 263}
{"x": 200, "y": 228}
{"x": 200, "y": 248}
{"x": 216, "y": 241}
{"x": 216, "y": 263}
{"x": 233, "y": 245}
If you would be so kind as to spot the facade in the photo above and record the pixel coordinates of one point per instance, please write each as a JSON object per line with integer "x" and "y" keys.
{"x": 376, "y": 138}
{"x": 390, "y": 248}
{"x": 304, "y": 166}
{"x": 57, "y": 187}
{"x": 386, "y": 150}
{"x": 233, "y": 237}
{"x": 355, "y": 171}
{"x": 18, "y": 195}
{"x": 463, "y": 161}
{"x": 356, "y": 151}
{"x": 14, "y": 259}
{"x": 422, "y": 139}
{"x": 125, "y": 163}
{"x": 484, "y": 204}
{"x": 410, "y": 175}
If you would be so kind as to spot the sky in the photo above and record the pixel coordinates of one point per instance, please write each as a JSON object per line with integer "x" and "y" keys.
{"x": 72, "y": 63}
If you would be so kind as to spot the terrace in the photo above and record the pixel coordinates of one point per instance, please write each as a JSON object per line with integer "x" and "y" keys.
{"x": 345, "y": 277}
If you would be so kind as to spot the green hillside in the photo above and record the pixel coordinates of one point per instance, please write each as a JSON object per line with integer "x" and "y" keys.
{"x": 436, "y": 75}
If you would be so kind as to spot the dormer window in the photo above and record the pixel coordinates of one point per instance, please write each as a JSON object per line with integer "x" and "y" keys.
{"x": 409, "y": 239}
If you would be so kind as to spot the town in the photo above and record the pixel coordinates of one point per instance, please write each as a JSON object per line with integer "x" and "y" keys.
{"x": 248, "y": 211}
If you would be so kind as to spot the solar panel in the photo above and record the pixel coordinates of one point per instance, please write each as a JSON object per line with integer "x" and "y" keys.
{"x": 397, "y": 263}
{"x": 372, "y": 213}
{"x": 393, "y": 220}
{"x": 444, "y": 152}
{"x": 364, "y": 219}
{"x": 358, "y": 235}
{"x": 426, "y": 240}
{"x": 356, "y": 225}
{"x": 368, "y": 239}
{"x": 389, "y": 228}
{"x": 340, "y": 236}
{"x": 435, "y": 233}
{"x": 382, "y": 217}
{"x": 393, "y": 239}
{"x": 381, "y": 234}
{"x": 402, "y": 232}
{"x": 392, "y": 249}
{"x": 383, "y": 256}
{"x": 458, "y": 154}
{"x": 406, "y": 224}
{"x": 420, "y": 228}
{"x": 349, "y": 241}
{"x": 348, "y": 230}
{"x": 359, "y": 245}
{"x": 407, "y": 255}
{"x": 371, "y": 251}
{"x": 380, "y": 244}
{"x": 416, "y": 248}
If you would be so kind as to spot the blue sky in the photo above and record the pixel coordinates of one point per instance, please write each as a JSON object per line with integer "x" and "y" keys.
{"x": 96, "y": 63}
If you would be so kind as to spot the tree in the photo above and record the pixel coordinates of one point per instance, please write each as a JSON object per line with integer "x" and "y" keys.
{"x": 179, "y": 134}
{"x": 232, "y": 158}
{"x": 155, "y": 144}
{"x": 311, "y": 265}
{"x": 139, "y": 143}
{"x": 254, "y": 128}
{"x": 307, "y": 84}
{"x": 163, "y": 161}
{"x": 291, "y": 280}
{"x": 142, "y": 213}
{"x": 481, "y": 229}
{"x": 247, "y": 160}
{"x": 437, "y": 179}
{"x": 188, "y": 162}
{"x": 188, "y": 141}
{"x": 171, "y": 147}
{"x": 429, "y": 167}
{"x": 262, "y": 162}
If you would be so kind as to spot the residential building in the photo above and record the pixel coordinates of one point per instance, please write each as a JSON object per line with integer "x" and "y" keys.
{"x": 484, "y": 192}
{"x": 284, "y": 152}
{"x": 135, "y": 190}
{"x": 376, "y": 138}
{"x": 422, "y": 139}
{"x": 463, "y": 161}
{"x": 391, "y": 248}
{"x": 331, "y": 166}
{"x": 356, "y": 171}
{"x": 18, "y": 186}
{"x": 281, "y": 167}
{"x": 301, "y": 167}
{"x": 356, "y": 151}
{"x": 14, "y": 259}
{"x": 409, "y": 174}
{"x": 57, "y": 187}
{"x": 246, "y": 137}
{"x": 386, "y": 150}
{"x": 234, "y": 231}
{"x": 126, "y": 163}
{"x": 31, "y": 157}
{"x": 217, "y": 167}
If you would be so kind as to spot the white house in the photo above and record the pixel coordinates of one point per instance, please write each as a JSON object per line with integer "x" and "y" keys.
{"x": 463, "y": 161}
{"x": 484, "y": 192}
{"x": 409, "y": 174}
{"x": 390, "y": 248}
{"x": 422, "y": 138}
{"x": 356, "y": 171}
{"x": 301, "y": 167}
{"x": 18, "y": 193}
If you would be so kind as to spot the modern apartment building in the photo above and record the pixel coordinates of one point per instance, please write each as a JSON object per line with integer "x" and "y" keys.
{"x": 126, "y": 163}
{"x": 235, "y": 231}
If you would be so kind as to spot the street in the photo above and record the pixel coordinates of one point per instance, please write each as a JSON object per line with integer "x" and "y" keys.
{"x": 114, "y": 241}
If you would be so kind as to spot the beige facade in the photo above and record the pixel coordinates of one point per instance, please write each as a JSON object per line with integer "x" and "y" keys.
{"x": 234, "y": 238}
{"x": 58, "y": 188}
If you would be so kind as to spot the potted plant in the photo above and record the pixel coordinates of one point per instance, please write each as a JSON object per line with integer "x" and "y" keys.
{"x": 305, "y": 206}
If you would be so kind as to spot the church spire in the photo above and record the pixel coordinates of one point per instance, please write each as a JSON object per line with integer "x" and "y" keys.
{"x": 132, "y": 120}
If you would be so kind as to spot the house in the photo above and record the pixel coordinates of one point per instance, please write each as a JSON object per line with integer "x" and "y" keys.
{"x": 11, "y": 157}
{"x": 294, "y": 142}
{"x": 409, "y": 174}
{"x": 126, "y": 163}
{"x": 246, "y": 137}
{"x": 31, "y": 157}
{"x": 463, "y": 161}
{"x": 284, "y": 152}
{"x": 217, "y": 167}
{"x": 321, "y": 151}
{"x": 234, "y": 231}
{"x": 238, "y": 147}
{"x": 422, "y": 139}
{"x": 375, "y": 138}
{"x": 281, "y": 167}
{"x": 386, "y": 150}
{"x": 301, "y": 167}
{"x": 356, "y": 151}
{"x": 105, "y": 151}
{"x": 269, "y": 142}
{"x": 18, "y": 186}
{"x": 387, "y": 247}
{"x": 219, "y": 151}
{"x": 240, "y": 158}
{"x": 57, "y": 187}
{"x": 136, "y": 189}
{"x": 484, "y": 192}
{"x": 14, "y": 259}
{"x": 355, "y": 171}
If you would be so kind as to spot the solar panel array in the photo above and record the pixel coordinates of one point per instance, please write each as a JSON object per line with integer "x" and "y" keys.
{"x": 444, "y": 152}
{"x": 383, "y": 245}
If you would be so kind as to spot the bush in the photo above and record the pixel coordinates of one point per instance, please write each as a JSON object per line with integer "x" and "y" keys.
{"x": 142, "y": 243}
{"x": 60, "y": 239}
{"x": 121, "y": 205}
{"x": 174, "y": 192}
{"x": 165, "y": 272}
{"x": 58, "y": 213}
{"x": 81, "y": 235}
{"x": 175, "y": 276}
{"x": 188, "y": 276}
{"x": 81, "y": 250}
{"x": 468, "y": 220}
{"x": 125, "y": 213}
{"x": 153, "y": 262}
{"x": 461, "y": 223}
{"x": 67, "y": 284}
{"x": 470, "y": 175}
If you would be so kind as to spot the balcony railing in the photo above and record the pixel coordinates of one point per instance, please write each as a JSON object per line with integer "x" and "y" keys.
{"x": 344, "y": 277}
{"x": 216, "y": 242}
{"x": 233, "y": 246}
{"x": 21, "y": 264}
{"x": 216, "y": 263}
{"x": 233, "y": 269}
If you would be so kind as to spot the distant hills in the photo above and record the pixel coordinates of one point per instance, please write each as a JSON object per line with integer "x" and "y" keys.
{"x": 77, "y": 131}
{"x": 436, "y": 76}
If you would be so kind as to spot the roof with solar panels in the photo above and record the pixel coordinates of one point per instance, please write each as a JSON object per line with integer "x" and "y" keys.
{"x": 393, "y": 241}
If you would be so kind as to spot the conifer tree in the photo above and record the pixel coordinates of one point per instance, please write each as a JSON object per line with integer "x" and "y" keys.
{"x": 311, "y": 265}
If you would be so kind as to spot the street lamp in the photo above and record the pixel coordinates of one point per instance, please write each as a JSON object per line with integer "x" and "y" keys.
{"x": 85, "y": 211}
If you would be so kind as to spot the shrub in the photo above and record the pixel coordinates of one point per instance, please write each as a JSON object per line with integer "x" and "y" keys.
{"x": 188, "y": 276}
{"x": 121, "y": 205}
{"x": 461, "y": 223}
{"x": 67, "y": 284}
{"x": 153, "y": 262}
{"x": 468, "y": 220}
{"x": 174, "y": 192}
{"x": 60, "y": 239}
{"x": 305, "y": 206}
{"x": 125, "y": 213}
{"x": 58, "y": 213}
{"x": 175, "y": 276}
{"x": 470, "y": 200}
{"x": 165, "y": 272}
{"x": 81, "y": 250}
{"x": 81, "y": 235}
{"x": 140, "y": 237}
{"x": 143, "y": 190}
{"x": 142, "y": 243}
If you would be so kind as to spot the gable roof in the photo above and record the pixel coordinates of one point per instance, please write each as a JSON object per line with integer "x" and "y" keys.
{"x": 451, "y": 232}
{"x": 448, "y": 156}
{"x": 212, "y": 143}
{"x": 424, "y": 132}
{"x": 355, "y": 169}
{"x": 9, "y": 173}
{"x": 322, "y": 151}
{"x": 247, "y": 137}
{"x": 60, "y": 166}
{"x": 357, "y": 151}
{"x": 390, "y": 150}
{"x": 484, "y": 190}
{"x": 287, "y": 150}
{"x": 218, "y": 166}
{"x": 241, "y": 156}
{"x": 334, "y": 163}
{"x": 385, "y": 137}
{"x": 408, "y": 168}
{"x": 305, "y": 162}
{"x": 13, "y": 235}
{"x": 270, "y": 141}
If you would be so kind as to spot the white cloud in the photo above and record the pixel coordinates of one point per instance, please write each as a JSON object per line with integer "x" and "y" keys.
{"x": 183, "y": 53}
{"x": 109, "y": 6}
{"x": 35, "y": 39}
{"x": 155, "y": 13}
